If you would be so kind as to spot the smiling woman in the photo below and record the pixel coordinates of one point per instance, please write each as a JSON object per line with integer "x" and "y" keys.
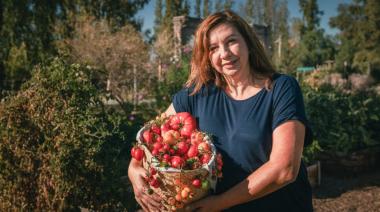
{"x": 256, "y": 117}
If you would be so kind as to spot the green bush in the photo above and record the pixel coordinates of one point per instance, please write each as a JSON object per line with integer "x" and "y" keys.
{"x": 61, "y": 148}
{"x": 343, "y": 122}
{"x": 162, "y": 91}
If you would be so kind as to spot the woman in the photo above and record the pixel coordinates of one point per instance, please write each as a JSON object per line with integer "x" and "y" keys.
{"x": 256, "y": 117}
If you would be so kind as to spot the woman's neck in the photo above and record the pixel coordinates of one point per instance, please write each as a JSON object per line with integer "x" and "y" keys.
{"x": 243, "y": 88}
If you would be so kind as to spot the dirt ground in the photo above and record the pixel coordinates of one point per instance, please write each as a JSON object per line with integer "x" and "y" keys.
{"x": 348, "y": 193}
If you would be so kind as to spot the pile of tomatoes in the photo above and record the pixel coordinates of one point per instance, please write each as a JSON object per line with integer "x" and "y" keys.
{"x": 175, "y": 142}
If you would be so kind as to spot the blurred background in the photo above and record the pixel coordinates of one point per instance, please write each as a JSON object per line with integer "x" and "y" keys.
{"x": 79, "y": 78}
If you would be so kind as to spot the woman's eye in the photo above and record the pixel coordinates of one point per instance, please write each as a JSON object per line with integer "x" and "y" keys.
{"x": 212, "y": 48}
{"x": 231, "y": 41}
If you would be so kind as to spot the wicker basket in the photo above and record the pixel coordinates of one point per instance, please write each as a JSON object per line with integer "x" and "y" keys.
{"x": 167, "y": 176}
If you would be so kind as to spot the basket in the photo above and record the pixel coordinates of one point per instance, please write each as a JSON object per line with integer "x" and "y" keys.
{"x": 169, "y": 176}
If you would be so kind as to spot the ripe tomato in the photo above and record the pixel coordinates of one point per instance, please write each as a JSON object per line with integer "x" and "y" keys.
{"x": 154, "y": 182}
{"x": 184, "y": 122}
{"x": 156, "y": 129}
{"x": 157, "y": 146}
{"x": 193, "y": 151}
{"x": 165, "y": 127}
{"x": 178, "y": 197}
{"x": 184, "y": 194}
{"x": 182, "y": 147}
{"x": 204, "y": 147}
{"x": 197, "y": 183}
{"x": 153, "y": 171}
{"x": 171, "y": 137}
{"x": 176, "y": 162}
{"x": 157, "y": 138}
{"x": 205, "y": 158}
{"x": 137, "y": 153}
{"x": 155, "y": 152}
{"x": 196, "y": 137}
{"x": 148, "y": 136}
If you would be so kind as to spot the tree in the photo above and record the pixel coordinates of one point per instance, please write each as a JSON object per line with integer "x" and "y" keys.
{"x": 117, "y": 53}
{"x": 281, "y": 33}
{"x": 259, "y": 12}
{"x": 359, "y": 23}
{"x": 218, "y": 5}
{"x": 186, "y": 8}
{"x": 206, "y": 10}
{"x": 311, "y": 13}
{"x": 158, "y": 13}
{"x": 198, "y": 8}
{"x": 228, "y": 4}
{"x": 249, "y": 12}
{"x": 39, "y": 25}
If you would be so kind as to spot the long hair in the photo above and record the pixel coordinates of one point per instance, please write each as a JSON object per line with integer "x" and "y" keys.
{"x": 202, "y": 71}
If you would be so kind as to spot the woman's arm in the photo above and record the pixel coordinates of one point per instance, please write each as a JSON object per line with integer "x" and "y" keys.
{"x": 281, "y": 169}
{"x": 136, "y": 174}
{"x": 170, "y": 110}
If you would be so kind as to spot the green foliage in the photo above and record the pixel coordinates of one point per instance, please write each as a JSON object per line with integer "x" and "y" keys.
{"x": 61, "y": 148}
{"x": 315, "y": 48}
{"x": 38, "y": 25}
{"x": 309, "y": 155}
{"x": 311, "y": 14}
{"x": 343, "y": 122}
{"x": 174, "y": 80}
{"x": 359, "y": 24}
{"x": 17, "y": 67}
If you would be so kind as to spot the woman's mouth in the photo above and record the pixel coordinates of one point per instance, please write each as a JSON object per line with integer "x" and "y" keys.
{"x": 229, "y": 63}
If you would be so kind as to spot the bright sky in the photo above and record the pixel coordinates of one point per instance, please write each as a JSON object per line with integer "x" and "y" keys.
{"x": 329, "y": 7}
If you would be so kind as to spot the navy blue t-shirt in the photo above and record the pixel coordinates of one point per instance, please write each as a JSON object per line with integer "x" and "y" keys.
{"x": 242, "y": 132}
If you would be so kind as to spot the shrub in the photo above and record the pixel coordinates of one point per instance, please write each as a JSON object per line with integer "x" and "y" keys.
{"x": 61, "y": 148}
{"x": 343, "y": 122}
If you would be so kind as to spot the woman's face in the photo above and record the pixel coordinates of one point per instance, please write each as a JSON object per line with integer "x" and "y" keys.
{"x": 228, "y": 51}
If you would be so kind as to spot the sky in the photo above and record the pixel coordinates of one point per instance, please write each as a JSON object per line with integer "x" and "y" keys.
{"x": 329, "y": 8}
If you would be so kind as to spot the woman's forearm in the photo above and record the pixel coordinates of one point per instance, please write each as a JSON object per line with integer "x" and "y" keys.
{"x": 263, "y": 181}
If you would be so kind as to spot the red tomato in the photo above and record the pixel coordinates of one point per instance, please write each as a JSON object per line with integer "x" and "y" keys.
{"x": 177, "y": 162}
{"x": 182, "y": 147}
{"x": 148, "y": 136}
{"x": 193, "y": 151}
{"x": 153, "y": 171}
{"x": 196, "y": 137}
{"x": 164, "y": 128}
{"x": 137, "y": 153}
{"x": 157, "y": 146}
{"x": 171, "y": 137}
{"x": 166, "y": 158}
{"x": 155, "y": 152}
{"x": 184, "y": 122}
{"x": 156, "y": 129}
{"x": 154, "y": 182}
{"x": 204, "y": 147}
{"x": 205, "y": 158}
{"x": 219, "y": 160}
{"x": 157, "y": 138}
{"x": 197, "y": 183}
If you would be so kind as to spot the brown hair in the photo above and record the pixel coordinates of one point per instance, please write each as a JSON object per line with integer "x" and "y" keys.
{"x": 201, "y": 70}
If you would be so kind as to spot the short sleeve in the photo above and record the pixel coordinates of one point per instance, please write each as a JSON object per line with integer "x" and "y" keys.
{"x": 181, "y": 101}
{"x": 288, "y": 104}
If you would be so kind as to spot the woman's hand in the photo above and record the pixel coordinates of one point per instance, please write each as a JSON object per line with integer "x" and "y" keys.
{"x": 149, "y": 202}
{"x": 207, "y": 204}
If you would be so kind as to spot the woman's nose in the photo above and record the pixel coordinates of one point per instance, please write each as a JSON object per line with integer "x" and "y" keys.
{"x": 224, "y": 52}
